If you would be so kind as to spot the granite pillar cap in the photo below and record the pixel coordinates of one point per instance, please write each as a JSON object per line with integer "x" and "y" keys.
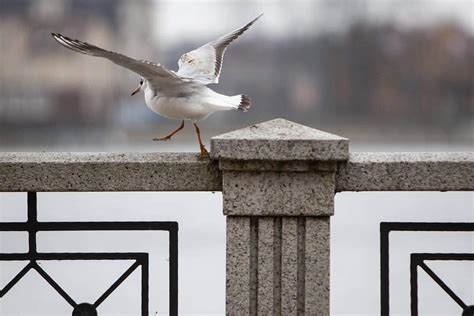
{"x": 281, "y": 140}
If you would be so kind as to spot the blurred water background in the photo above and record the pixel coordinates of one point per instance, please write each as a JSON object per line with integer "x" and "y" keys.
{"x": 391, "y": 75}
{"x": 371, "y": 70}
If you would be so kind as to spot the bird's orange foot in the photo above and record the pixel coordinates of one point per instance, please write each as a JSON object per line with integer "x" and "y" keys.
{"x": 204, "y": 152}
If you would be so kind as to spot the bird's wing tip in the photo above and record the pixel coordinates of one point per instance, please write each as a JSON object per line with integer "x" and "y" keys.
{"x": 56, "y": 36}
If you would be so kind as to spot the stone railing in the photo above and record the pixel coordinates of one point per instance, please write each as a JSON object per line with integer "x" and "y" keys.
{"x": 278, "y": 181}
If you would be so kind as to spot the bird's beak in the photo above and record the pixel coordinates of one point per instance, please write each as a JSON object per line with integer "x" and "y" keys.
{"x": 136, "y": 90}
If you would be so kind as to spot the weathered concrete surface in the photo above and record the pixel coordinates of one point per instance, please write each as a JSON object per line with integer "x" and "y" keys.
{"x": 289, "y": 266}
{"x": 407, "y": 172}
{"x": 238, "y": 269}
{"x": 281, "y": 140}
{"x": 269, "y": 287}
{"x": 272, "y": 165}
{"x": 278, "y": 185}
{"x": 317, "y": 266}
{"x": 276, "y": 193}
{"x": 107, "y": 172}
{"x": 277, "y": 265}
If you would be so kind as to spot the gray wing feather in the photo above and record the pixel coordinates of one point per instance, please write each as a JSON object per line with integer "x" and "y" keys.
{"x": 204, "y": 64}
{"x": 146, "y": 69}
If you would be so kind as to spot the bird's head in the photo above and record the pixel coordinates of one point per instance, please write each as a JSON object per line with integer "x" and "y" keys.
{"x": 139, "y": 87}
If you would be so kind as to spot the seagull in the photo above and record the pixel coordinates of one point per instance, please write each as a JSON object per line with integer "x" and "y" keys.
{"x": 181, "y": 95}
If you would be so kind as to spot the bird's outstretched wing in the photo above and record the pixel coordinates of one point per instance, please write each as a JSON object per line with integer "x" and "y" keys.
{"x": 146, "y": 69}
{"x": 204, "y": 64}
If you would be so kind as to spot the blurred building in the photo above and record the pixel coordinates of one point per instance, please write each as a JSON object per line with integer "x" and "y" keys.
{"x": 40, "y": 82}
{"x": 339, "y": 65}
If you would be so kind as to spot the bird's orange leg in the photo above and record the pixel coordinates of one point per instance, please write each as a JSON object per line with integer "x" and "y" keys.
{"x": 168, "y": 137}
{"x": 204, "y": 152}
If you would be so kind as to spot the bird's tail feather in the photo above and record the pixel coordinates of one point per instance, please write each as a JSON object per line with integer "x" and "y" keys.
{"x": 236, "y": 102}
{"x": 245, "y": 103}
{"x": 240, "y": 102}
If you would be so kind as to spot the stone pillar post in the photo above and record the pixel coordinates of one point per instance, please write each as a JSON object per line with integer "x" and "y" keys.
{"x": 278, "y": 190}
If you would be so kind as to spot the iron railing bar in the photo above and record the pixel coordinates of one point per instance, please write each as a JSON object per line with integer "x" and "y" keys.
{"x": 32, "y": 221}
{"x": 53, "y": 283}
{"x": 414, "y": 262}
{"x": 387, "y": 227}
{"x": 16, "y": 279}
{"x": 446, "y": 256}
{"x": 14, "y": 226}
{"x": 145, "y": 288}
{"x": 384, "y": 270}
{"x": 173, "y": 270}
{"x": 73, "y": 256}
{"x": 116, "y": 283}
{"x": 423, "y": 226}
{"x": 443, "y": 285}
{"x": 89, "y": 226}
{"x": 32, "y": 226}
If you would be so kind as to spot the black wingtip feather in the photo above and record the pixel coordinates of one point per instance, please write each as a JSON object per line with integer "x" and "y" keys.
{"x": 245, "y": 103}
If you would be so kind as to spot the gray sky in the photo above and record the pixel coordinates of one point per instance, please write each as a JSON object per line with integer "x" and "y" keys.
{"x": 182, "y": 20}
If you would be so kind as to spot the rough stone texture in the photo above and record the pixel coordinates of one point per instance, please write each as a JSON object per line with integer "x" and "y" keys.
{"x": 238, "y": 268}
{"x": 107, "y": 172}
{"x": 278, "y": 265}
{"x": 278, "y": 193}
{"x": 407, "y": 172}
{"x": 261, "y": 165}
{"x": 266, "y": 267}
{"x": 289, "y": 266}
{"x": 317, "y": 266}
{"x": 280, "y": 176}
{"x": 281, "y": 140}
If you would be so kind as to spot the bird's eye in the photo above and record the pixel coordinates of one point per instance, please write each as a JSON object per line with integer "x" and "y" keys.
{"x": 141, "y": 81}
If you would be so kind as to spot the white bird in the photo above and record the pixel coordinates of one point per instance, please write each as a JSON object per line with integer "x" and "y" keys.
{"x": 181, "y": 95}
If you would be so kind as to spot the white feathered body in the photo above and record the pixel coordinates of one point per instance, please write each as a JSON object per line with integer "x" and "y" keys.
{"x": 188, "y": 101}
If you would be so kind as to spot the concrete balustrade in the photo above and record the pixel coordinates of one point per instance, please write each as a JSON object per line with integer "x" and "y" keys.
{"x": 278, "y": 196}
{"x": 278, "y": 181}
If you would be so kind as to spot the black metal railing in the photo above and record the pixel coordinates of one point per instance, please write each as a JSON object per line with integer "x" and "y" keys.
{"x": 140, "y": 259}
{"x": 419, "y": 260}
